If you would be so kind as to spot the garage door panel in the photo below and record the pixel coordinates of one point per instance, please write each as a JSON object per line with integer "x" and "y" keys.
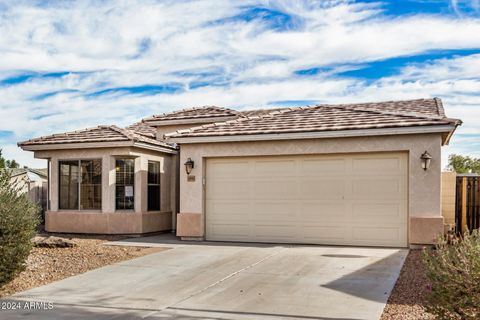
{"x": 229, "y": 169}
{"x": 381, "y": 234}
{"x": 376, "y": 212}
{"x": 333, "y": 199}
{"x": 229, "y": 210}
{"x": 230, "y": 189}
{"x": 234, "y": 231}
{"x": 274, "y": 232}
{"x": 322, "y": 233}
{"x": 315, "y": 167}
{"x": 282, "y": 211}
{"x": 317, "y": 211}
{"x": 377, "y": 165}
{"x": 377, "y": 188}
{"x": 278, "y": 168}
{"x": 276, "y": 188}
{"x": 322, "y": 189}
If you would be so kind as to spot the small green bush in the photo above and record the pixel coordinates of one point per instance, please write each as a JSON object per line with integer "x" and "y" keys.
{"x": 454, "y": 272}
{"x": 18, "y": 222}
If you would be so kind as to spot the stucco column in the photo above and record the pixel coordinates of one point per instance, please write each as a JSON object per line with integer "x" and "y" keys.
{"x": 174, "y": 187}
{"x": 108, "y": 184}
{"x": 54, "y": 184}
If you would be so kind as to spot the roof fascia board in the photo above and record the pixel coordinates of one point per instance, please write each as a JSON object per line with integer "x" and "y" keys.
{"x": 316, "y": 135}
{"x": 154, "y": 148}
{"x": 446, "y": 141}
{"x": 87, "y": 145}
{"x": 160, "y": 123}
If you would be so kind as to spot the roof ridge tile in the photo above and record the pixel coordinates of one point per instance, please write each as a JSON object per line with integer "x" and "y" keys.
{"x": 179, "y": 111}
{"x": 439, "y": 104}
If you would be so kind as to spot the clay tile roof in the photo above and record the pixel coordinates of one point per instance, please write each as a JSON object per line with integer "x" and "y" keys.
{"x": 257, "y": 112}
{"x": 97, "y": 134}
{"x": 143, "y": 129}
{"x": 390, "y": 114}
{"x": 427, "y": 107}
{"x": 194, "y": 113}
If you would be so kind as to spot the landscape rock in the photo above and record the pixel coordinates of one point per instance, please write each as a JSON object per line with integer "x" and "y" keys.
{"x": 53, "y": 242}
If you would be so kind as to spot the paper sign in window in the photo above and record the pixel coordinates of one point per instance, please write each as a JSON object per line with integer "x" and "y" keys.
{"x": 128, "y": 191}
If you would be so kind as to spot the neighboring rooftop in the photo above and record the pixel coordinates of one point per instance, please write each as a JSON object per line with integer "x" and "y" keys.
{"x": 390, "y": 114}
{"x": 94, "y": 135}
{"x": 18, "y": 171}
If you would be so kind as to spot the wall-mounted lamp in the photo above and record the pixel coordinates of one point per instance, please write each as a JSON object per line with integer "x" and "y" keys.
{"x": 189, "y": 165}
{"x": 426, "y": 159}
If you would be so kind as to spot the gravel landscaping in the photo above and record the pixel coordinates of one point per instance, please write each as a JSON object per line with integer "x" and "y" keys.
{"x": 408, "y": 298}
{"x": 45, "y": 265}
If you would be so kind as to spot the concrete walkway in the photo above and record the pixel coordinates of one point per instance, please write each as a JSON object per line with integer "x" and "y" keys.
{"x": 225, "y": 281}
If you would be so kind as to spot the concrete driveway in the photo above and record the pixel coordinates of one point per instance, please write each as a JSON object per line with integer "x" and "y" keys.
{"x": 225, "y": 281}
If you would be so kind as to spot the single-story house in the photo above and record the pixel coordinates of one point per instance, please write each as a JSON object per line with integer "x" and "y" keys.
{"x": 364, "y": 174}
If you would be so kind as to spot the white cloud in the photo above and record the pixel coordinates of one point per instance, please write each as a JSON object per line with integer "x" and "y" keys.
{"x": 113, "y": 44}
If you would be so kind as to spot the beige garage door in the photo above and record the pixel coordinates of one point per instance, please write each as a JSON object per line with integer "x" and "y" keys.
{"x": 336, "y": 199}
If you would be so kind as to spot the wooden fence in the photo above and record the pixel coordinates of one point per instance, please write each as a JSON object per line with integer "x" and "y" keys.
{"x": 467, "y": 208}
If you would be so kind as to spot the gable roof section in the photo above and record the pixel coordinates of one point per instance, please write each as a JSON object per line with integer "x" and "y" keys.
{"x": 328, "y": 118}
{"x": 192, "y": 115}
{"x": 102, "y": 134}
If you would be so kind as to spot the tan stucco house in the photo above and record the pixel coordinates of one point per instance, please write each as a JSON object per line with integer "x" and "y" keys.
{"x": 354, "y": 174}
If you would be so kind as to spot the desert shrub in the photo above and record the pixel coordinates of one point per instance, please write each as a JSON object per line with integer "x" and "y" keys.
{"x": 454, "y": 273}
{"x": 18, "y": 221}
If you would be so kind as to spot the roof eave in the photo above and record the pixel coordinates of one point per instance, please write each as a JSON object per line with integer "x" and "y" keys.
{"x": 448, "y": 136}
{"x": 74, "y": 145}
{"x": 148, "y": 146}
{"x": 317, "y": 135}
{"x": 89, "y": 145}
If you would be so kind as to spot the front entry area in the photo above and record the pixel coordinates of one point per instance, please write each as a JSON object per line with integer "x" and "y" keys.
{"x": 348, "y": 199}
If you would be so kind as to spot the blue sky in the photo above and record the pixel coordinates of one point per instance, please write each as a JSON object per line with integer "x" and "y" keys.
{"x": 72, "y": 65}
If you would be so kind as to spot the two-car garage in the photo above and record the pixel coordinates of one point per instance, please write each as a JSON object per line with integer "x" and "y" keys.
{"x": 349, "y": 199}
{"x": 363, "y": 174}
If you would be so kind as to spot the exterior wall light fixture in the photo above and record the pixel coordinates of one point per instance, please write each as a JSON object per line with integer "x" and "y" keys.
{"x": 426, "y": 159}
{"x": 189, "y": 165}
